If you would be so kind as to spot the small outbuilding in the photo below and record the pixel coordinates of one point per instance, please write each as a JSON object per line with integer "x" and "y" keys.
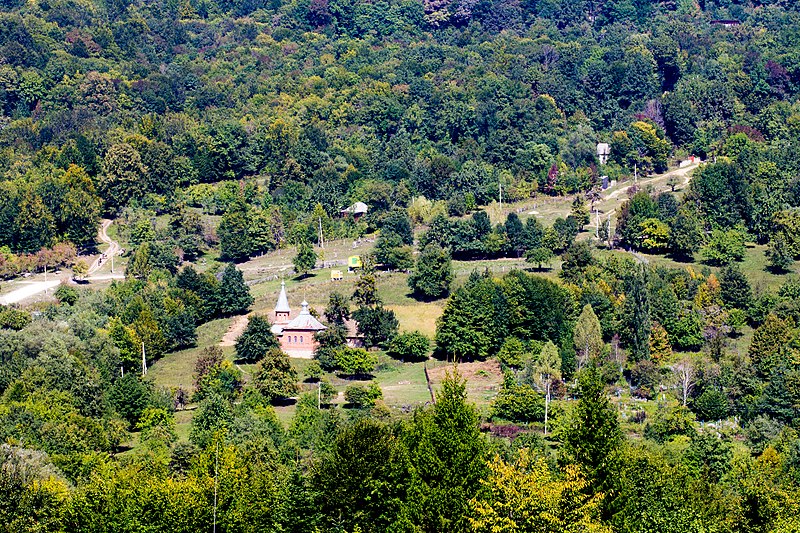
{"x": 357, "y": 210}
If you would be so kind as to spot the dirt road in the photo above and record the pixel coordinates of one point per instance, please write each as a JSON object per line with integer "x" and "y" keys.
{"x": 30, "y": 289}
{"x": 113, "y": 247}
{"x": 236, "y": 328}
{"x": 683, "y": 173}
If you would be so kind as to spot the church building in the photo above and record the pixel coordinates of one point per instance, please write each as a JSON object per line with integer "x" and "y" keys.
{"x": 296, "y": 334}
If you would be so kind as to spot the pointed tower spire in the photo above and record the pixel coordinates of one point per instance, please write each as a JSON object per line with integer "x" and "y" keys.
{"x": 282, "y": 309}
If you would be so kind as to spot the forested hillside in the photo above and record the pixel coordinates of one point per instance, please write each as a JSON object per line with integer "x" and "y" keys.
{"x": 626, "y": 329}
{"x": 163, "y": 105}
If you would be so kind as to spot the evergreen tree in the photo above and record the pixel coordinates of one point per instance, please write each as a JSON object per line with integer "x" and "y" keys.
{"x": 366, "y": 291}
{"x": 449, "y": 456}
{"x": 577, "y": 259}
{"x": 660, "y": 349}
{"x": 592, "y": 435}
{"x": 769, "y": 349}
{"x": 233, "y": 295}
{"x": 579, "y": 212}
{"x": 637, "y": 314}
{"x": 256, "y": 340}
{"x": 329, "y": 342}
{"x": 516, "y": 234}
{"x": 433, "y": 273}
{"x": 779, "y": 254}
{"x": 735, "y": 288}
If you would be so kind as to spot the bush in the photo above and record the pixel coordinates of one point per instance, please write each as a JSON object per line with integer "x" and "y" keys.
{"x": 412, "y": 346}
{"x": 513, "y": 353}
{"x": 355, "y": 361}
{"x": 14, "y": 318}
{"x": 669, "y": 422}
{"x": 518, "y": 403}
{"x": 66, "y": 295}
{"x": 313, "y": 371}
{"x": 363, "y": 396}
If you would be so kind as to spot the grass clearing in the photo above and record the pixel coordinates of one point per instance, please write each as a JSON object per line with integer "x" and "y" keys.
{"x": 177, "y": 368}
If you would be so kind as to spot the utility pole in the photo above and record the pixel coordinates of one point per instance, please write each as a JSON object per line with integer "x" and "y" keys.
{"x": 321, "y": 236}
{"x": 500, "y": 185}
{"x": 216, "y": 467}
{"x": 144, "y": 362}
{"x": 597, "y": 224}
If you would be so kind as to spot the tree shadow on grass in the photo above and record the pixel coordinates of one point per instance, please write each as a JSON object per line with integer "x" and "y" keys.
{"x": 283, "y": 402}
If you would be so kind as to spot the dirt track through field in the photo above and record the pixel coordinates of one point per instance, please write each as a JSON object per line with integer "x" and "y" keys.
{"x": 236, "y": 328}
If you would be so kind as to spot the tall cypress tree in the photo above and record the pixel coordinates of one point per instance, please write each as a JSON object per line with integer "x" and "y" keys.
{"x": 637, "y": 314}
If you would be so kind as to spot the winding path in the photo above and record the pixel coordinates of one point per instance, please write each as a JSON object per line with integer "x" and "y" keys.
{"x": 32, "y": 288}
{"x": 113, "y": 246}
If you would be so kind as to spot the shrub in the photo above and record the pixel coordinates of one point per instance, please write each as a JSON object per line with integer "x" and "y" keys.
{"x": 14, "y": 319}
{"x": 363, "y": 396}
{"x": 518, "y": 403}
{"x": 66, "y": 295}
{"x": 413, "y": 346}
{"x": 355, "y": 361}
{"x": 669, "y": 422}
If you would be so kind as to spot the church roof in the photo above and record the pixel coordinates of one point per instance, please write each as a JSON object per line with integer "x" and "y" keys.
{"x": 305, "y": 320}
{"x": 283, "y": 302}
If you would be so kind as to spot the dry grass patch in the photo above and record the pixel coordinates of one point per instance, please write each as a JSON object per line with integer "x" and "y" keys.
{"x": 484, "y": 378}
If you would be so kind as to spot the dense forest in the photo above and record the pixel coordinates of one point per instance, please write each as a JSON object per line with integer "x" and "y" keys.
{"x": 647, "y": 368}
